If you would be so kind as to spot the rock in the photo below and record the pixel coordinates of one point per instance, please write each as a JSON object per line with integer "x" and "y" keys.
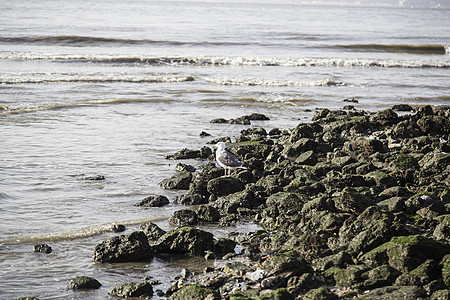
{"x": 185, "y": 240}
{"x": 208, "y": 213}
{"x": 405, "y": 253}
{"x": 394, "y": 204}
{"x": 307, "y": 158}
{"x": 223, "y": 186}
{"x": 229, "y": 204}
{"x": 258, "y": 117}
{"x": 124, "y": 248}
{"x": 43, "y": 248}
{"x": 421, "y": 275}
{"x": 236, "y": 268}
{"x": 303, "y": 283}
{"x": 352, "y": 201}
{"x": 195, "y": 292}
{"x": 446, "y": 270}
{"x": 396, "y": 292}
{"x": 152, "y": 231}
{"x": 285, "y": 262}
{"x": 204, "y": 134}
{"x": 281, "y": 293}
{"x": 441, "y": 295}
{"x": 203, "y": 153}
{"x": 322, "y": 293}
{"x": 348, "y": 276}
{"x": 378, "y": 277}
{"x": 385, "y": 117}
{"x": 127, "y": 290}
{"x": 153, "y": 201}
{"x": 118, "y": 228}
{"x": 183, "y": 217}
{"x": 341, "y": 259}
{"x": 286, "y": 203}
{"x": 402, "y": 107}
{"x": 224, "y": 246}
{"x": 84, "y": 282}
{"x": 257, "y": 275}
{"x": 180, "y": 181}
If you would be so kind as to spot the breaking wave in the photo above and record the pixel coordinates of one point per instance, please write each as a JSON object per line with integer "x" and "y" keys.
{"x": 77, "y": 234}
{"x": 238, "y": 61}
{"x": 26, "y": 108}
{"x": 273, "y": 83}
{"x": 96, "y": 79}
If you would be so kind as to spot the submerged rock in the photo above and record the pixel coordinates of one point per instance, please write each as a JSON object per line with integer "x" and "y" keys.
{"x": 43, "y": 248}
{"x": 84, "y": 282}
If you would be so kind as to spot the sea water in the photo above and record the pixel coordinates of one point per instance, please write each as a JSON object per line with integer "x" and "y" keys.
{"x": 110, "y": 88}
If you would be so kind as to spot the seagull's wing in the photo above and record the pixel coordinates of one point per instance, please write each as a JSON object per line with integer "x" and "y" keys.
{"x": 229, "y": 160}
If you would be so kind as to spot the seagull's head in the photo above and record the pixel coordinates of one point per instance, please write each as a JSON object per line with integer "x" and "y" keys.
{"x": 220, "y": 146}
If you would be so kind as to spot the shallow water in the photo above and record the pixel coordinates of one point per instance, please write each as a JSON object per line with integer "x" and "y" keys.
{"x": 110, "y": 88}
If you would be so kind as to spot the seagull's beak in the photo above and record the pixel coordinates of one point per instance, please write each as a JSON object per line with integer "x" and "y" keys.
{"x": 214, "y": 147}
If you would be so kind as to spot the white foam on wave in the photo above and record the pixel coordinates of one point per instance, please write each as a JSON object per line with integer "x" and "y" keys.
{"x": 104, "y": 78}
{"x": 273, "y": 83}
{"x": 240, "y": 60}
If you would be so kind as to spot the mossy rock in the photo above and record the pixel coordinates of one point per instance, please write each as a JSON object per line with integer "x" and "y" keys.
{"x": 352, "y": 201}
{"x": 285, "y": 262}
{"x": 405, "y": 161}
{"x": 406, "y": 253}
{"x": 378, "y": 277}
{"x": 195, "y": 292}
{"x": 126, "y": 290}
{"x": 348, "y": 276}
{"x": 446, "y": 270}
{"x": 279, "y": 294}
{"x": 322, "y": 293}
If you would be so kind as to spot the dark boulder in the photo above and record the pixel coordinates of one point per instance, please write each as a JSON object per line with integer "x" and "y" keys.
{"x": 183, "y": 217}
{"x": 224, "y": 246}
{"x": 384, "y": 275}
{"x": 203, "y": 153}
{"x": 185, "y": 240}
{"x": 385, "y": 117}
{"x": 124, "y": 248}
{"x": 208, "y": 213}
{"x": 133, "y": 290}
{"x": 286, "y": 262}
{"x": 223, "y": 186}
{"x": 180, "y": 181}
{"x": 84, "y": 282}
{"x": 229, "y": 204}
{"x": 153, "y": 201}
{"x": 152, "y": 231}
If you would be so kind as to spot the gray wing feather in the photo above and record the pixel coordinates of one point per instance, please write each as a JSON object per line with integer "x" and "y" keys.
{"x": 229, "y": 160}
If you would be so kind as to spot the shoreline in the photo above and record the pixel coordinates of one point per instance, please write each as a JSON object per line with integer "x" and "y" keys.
{"x": 351, "y": 204}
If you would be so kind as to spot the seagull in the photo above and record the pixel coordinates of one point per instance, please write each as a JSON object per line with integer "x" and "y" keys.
{"x": 226, "y": 159}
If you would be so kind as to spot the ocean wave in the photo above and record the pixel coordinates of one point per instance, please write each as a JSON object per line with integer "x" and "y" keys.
{"x": 97, "y": 79}
{"x": 237, "y": 61}
{"x": 76, "y": 40}
{"x": 273, "y": 83}
{"x": 397, "y": 48}
{"x": 77, "y": 234}
{"x": 27, "y": 108}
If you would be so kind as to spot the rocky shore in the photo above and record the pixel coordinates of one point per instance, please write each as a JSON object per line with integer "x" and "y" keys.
{"x": 351, "y": 205}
